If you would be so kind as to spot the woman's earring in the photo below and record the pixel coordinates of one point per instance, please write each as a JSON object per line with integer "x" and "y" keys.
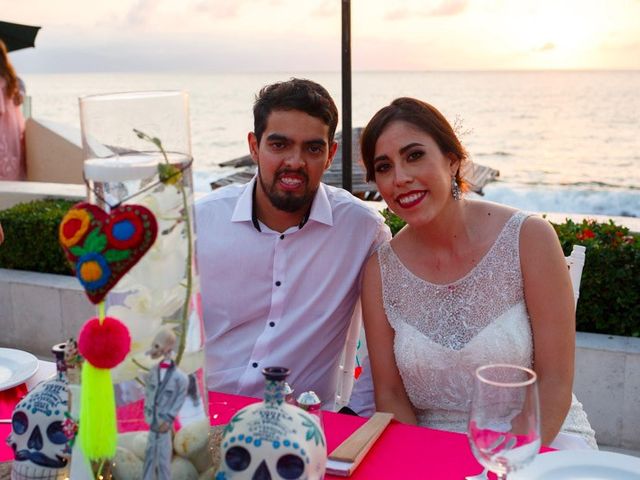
{"x": 456, "y": 193}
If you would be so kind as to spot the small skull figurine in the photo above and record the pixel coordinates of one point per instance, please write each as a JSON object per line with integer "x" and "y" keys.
{"x": 273, "y": 440}
{"x": 37, "y": 436}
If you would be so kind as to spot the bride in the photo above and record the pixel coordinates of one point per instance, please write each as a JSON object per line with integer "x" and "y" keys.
{"x": 465, "y": 283}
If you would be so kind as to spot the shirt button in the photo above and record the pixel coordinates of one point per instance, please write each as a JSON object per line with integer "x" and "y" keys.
{"x": 282, "y": 237}
{"x": 254, "y": 364}
{"x": 272, "y": 324}
{"x": 278, "y": 283}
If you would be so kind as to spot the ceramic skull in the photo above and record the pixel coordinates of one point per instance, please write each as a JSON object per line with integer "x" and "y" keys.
{"x": 37, "y": 438}
{"x": 273, "y": 440}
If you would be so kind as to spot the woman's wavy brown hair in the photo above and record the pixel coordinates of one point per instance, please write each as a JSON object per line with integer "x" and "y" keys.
{"x": 8, "y": 73}
{"x": 423, "y": 116}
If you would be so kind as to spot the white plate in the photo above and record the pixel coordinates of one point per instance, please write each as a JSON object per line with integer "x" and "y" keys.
{"x": 580, "y": 465}
{"x": 16, "y": 367}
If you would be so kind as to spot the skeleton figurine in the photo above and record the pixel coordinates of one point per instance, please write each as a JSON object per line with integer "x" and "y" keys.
{"x": 165, "y": 392}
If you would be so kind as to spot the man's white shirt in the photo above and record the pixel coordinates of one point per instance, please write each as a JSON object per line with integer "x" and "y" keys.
{"x": 281, "y": 299}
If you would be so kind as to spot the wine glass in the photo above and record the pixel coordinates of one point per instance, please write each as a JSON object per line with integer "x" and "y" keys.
{"x": 504, "y": 423}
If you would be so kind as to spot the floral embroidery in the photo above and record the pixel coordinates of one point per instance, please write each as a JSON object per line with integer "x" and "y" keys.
{"x": 73, "y": 227}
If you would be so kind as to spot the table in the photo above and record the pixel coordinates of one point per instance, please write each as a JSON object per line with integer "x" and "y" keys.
{"x": 403, "y": 451}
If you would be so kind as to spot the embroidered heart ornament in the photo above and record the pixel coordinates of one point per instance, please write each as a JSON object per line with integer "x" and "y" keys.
{"x": 102, "y": 247}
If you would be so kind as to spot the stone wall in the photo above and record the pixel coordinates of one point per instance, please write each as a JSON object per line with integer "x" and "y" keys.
{"x": 607, "y": 382}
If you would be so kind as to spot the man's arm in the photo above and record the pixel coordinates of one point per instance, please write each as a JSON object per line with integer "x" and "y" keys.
{"x": 360, "y": 394}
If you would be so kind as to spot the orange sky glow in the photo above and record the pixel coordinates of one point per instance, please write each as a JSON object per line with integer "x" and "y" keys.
{"x": 294, "y": 35}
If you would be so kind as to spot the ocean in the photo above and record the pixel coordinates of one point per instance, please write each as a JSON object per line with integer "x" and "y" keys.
{"x": 563, "y": 141}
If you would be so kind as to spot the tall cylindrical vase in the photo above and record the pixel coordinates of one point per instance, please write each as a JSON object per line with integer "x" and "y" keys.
{"x": 137, "y": 152}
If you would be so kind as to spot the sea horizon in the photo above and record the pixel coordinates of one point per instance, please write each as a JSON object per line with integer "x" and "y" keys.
{"x": 563, "y": 141}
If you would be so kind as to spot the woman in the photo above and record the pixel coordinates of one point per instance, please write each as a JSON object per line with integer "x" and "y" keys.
{"x": 465, "y": 283}
{"x": 11, "y": 121}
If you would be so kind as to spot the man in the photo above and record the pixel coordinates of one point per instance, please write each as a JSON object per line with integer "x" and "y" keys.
{"x": 280, "y": 258}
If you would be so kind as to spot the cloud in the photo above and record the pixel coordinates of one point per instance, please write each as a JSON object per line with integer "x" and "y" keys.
{"x": 446, "y": 8}
{"x": 327, "y": 8}
{"x": 219, "y": 9}
{"x": 398, "y": 14}
{"x": 546, "y": 47}
{"x": 141, "y": 12}
{"x": 449, "y": 8}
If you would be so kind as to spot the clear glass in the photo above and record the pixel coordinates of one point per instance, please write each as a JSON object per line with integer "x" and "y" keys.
{"x": 504, "y": 423}
{"x": 137, "y": 151}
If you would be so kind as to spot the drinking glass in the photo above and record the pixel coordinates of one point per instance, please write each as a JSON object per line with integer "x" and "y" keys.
{"x": 504, "y": 423}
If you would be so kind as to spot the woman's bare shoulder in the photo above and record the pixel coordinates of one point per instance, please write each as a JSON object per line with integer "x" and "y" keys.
{"x": 488, "y": 219}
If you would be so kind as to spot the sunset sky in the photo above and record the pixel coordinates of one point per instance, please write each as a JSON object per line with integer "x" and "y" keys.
{"x": 304, "y": 35}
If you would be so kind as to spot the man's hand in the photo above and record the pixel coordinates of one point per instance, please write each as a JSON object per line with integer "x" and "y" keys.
{"x": 164, "y": 427}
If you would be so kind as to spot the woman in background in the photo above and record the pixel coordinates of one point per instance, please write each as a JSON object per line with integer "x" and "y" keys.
{"x": 465, "y": 283}
{"x": 12, "y": 160}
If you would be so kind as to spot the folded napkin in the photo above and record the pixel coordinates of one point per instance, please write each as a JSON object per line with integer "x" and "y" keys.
{"x": 348, "y": 455}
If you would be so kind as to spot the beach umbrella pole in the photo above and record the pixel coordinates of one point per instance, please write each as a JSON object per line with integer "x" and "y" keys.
{"x": 346, "y": 95}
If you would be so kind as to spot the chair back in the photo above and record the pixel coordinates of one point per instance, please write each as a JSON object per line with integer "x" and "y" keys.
{"x": 575, "y": 263}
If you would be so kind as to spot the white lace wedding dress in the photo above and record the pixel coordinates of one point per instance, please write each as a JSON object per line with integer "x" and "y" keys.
{"x": 444, "y": 332}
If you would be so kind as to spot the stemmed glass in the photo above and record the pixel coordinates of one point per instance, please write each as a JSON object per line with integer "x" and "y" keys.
{"x": 504, "y": 423}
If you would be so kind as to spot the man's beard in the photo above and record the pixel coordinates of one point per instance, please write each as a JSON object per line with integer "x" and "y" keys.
{"x": 287, "y": 201}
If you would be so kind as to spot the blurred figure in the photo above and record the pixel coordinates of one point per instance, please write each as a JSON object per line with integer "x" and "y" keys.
{"x": 12, "y": 159}
{"x": 22, "y": 92}
{"x": 1, "y": 235}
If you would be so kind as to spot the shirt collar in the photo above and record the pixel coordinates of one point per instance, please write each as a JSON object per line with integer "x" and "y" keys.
{"x": 320, "y": 208}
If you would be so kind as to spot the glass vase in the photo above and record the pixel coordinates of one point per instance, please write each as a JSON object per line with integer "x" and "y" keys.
{"x": 137, "y": 152}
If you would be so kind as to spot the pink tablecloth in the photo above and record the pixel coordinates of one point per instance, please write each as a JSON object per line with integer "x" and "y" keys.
{"x": 402, "y": 451}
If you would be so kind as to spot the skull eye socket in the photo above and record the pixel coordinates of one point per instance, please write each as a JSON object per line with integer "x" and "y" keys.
{"x": 55, "y": 433}
{"x": 290, "y": 467}
{"x": 237, "y": 458}
{"x": 20, "y": 422}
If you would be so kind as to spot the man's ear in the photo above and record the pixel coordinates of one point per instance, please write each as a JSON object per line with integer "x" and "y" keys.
{"x": 332, "y": 153}
{"x": 253, "y": 146}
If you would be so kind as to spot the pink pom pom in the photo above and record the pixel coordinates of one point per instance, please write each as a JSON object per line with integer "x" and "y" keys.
{"x": 104, "y": 345}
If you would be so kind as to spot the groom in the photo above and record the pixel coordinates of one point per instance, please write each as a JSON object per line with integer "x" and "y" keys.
{"x": 281, "y": 257}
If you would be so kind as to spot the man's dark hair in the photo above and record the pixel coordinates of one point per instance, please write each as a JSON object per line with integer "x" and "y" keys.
{"x": 295, "y": 94}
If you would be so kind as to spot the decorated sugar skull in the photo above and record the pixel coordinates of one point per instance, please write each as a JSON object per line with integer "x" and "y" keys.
{"x": 37, "y": 436}
{"x": 273, "y": 440}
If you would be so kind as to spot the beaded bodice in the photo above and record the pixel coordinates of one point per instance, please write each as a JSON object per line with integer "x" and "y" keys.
{"x": 451, "y": 315}
{"x": 444, "y": 332}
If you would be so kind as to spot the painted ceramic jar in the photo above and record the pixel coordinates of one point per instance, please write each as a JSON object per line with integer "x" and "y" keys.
{"x": 38, "y": 438}
{"x": 273, "y": 439}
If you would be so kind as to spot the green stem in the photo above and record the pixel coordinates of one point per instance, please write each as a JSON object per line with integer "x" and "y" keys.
{"x": 100, "y": 467}
{"x": 185, "y": 311}
{"x": 139, "y": 365}
{"x": 187, "y": 220}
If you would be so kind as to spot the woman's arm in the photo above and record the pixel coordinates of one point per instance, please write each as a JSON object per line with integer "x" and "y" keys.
{"x": 550, "y": 302}
{"x": 390, "y": 394}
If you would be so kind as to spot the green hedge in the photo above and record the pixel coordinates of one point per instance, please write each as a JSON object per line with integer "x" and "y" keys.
{"x": 609, "y": 291}
{"x": 610, "y": 288}
{"x": 31, "y": 237}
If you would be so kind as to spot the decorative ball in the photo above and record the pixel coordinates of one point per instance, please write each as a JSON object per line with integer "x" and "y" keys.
{"x": 104, "y": 345}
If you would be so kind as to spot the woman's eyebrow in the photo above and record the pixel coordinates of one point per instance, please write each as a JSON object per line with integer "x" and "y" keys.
{"x": 409, "y": 146}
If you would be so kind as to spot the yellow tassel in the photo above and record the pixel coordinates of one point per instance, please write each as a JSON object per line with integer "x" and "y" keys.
{"x": 97, "y": 429}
